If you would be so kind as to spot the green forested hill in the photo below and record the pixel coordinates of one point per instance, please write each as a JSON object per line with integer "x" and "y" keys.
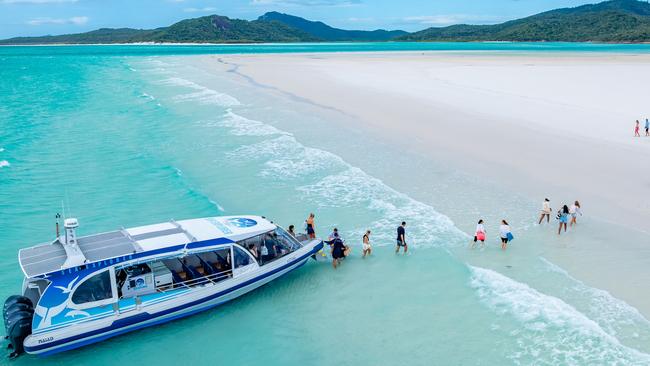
{"x": 331, "y": 34}
{"x": 610, "y": 21}
{"x": 207, "y": 29}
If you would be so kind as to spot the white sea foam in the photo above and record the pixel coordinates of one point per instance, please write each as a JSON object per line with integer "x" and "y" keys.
{"x": 147, "y": 96}
{"x": 613, "y": 315}
{"x": 2, "y": 149}
{"x": 242, "y": 126}
{"x": 4, "y": 163}
{"x": 284, "y": 158}
{"x": 556, "y": 333}
{"x": 202, "y": 94}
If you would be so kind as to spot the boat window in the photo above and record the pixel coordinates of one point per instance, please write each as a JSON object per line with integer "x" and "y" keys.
{"x": 96, "y": 288}
{"x": 241, "y": 258}
{"x": 286, "y": 240}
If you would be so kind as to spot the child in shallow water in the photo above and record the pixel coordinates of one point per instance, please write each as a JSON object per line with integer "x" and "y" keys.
{"x": 367, "y": 248}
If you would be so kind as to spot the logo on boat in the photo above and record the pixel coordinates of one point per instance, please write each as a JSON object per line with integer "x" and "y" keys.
{"x": 45, "y": 340}
{"x": 242, "y": 222}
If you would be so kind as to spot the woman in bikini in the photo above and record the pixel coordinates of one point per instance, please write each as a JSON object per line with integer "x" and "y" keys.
{"x": 311, "y": 228}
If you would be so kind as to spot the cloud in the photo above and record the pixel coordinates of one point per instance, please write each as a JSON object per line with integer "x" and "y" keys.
{"x": 36, "y": 1}
{"x": 73, "y": 20}
{"x": 341, "y": 3}
{"x": 199, "y": 10}
{"x": 449, "y": 19}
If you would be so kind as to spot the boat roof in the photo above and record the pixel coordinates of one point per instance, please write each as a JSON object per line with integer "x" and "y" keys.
{"x": 49, "y": 257}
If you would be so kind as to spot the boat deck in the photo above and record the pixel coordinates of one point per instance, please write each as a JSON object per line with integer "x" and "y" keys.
{"x": 50, "y": 257}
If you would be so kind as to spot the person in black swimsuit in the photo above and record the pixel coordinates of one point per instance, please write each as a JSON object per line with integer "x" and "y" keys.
{"x": 401, "y": 238}
{"x": 338, "y": 251}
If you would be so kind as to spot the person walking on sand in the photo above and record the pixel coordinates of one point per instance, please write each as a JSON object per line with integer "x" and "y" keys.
{"x": 563, "y": 216}
{"x": 367, "y": 248}
{"x": 574, "y": 210}
{"x": 546, "y": 211}
{"x": 647, "y": 127}
{"x": 479, "y": 234}
{"x": 636, "y": 129}
{"x": 311, "y": 227}
{"x": 505, "y": 233}
{"x": 401, "y": 238}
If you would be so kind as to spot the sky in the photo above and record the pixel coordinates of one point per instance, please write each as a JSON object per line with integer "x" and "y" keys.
{"x": 41, "y": 17}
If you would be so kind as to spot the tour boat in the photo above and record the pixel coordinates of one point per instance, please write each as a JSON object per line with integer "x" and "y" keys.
{"x": 82, "y": 290}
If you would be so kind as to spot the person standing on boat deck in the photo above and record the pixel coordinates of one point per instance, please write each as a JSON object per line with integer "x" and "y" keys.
{"x": 367, "y": 248}
{"x": 479, "y": 234}
{"x": 505, "y": 233}
{"x": 647, "y": 127}
{"x": 401, "y": 238}
{"x": 291, "y": 231}
{"x": 546, "y": 211}
{"x": 636, "y": 129}
{"x": 253, "y": 250}
{"x": 563, "y": 216}
{"x": 574, "y": 210}
{"x": 311, "y": 227}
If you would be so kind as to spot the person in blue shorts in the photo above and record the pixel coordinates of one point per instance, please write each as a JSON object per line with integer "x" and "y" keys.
{"x": 401, "y": 238}
{"x": 563, "y": 216}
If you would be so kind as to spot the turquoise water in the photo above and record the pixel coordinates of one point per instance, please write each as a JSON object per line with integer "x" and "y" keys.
{"x": 129, "y": 140}
{"x": 139, "y": 50}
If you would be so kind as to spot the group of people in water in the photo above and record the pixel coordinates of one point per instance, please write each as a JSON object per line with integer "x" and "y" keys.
{"x": 505, "y": 233}
{"x": 566, "y": 215}
{"x": 637, "y": 127}
{"x": 339, "y": 250}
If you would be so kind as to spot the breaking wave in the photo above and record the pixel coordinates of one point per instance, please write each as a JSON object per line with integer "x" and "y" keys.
{"x": 555, "y": 332}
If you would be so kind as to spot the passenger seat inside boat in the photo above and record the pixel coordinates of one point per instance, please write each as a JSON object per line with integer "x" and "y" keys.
{"x": 194, "y": 264}
{"x": 218, "y": 262}
{"x": 177, "y": 270}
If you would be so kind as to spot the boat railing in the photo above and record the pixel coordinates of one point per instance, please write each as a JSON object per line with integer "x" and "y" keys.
{"x": 213, "y": 278}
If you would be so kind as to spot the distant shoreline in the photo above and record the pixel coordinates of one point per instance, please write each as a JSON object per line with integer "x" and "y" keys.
{"x": 315, "y": 43}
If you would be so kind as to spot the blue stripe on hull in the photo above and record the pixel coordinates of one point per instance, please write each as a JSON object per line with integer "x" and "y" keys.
{"x": 117, "y": 327}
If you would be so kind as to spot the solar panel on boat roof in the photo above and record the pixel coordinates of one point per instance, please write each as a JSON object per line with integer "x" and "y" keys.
{"x": 42, "y": 258}
{"x": 106, "y": 245}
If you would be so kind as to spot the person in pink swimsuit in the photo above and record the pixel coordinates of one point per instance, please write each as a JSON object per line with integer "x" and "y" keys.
{"x": 636, "y": 129}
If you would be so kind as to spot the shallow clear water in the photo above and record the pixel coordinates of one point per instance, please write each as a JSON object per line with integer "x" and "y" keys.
{"x": 126, "y": 141}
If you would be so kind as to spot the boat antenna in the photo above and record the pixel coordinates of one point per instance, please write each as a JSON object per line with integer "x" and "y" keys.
{"x": 63, "y": 208}
{"x": 57, "y": 217}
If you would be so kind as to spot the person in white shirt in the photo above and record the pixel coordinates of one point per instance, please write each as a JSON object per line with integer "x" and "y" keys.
{"x": 479, "y": 234}
{"x": 574, "y": 210}
{"x": 546, "y": 211}
{"x": 505, "y": 233}
{"x": 367, "y": 248}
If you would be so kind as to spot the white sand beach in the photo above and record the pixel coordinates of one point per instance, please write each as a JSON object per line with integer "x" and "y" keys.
{"x": 548, "y": 125}
{"x": 539, "y": 125}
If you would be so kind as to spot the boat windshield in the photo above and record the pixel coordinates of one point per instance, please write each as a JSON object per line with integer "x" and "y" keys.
{"x": 288, "y": 239}
{"x": 271, "y": 245}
